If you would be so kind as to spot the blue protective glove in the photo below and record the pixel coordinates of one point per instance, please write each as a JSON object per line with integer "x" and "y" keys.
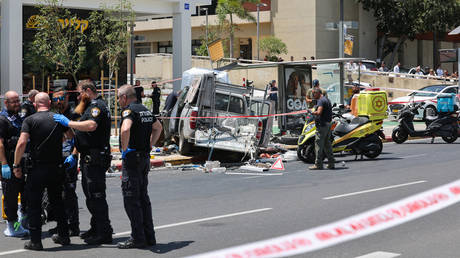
{"x": 70, "y": 161}
{"x": 125, "y": 152}
{"x": 6, "y": 171}
{"x": 61, "y": 119}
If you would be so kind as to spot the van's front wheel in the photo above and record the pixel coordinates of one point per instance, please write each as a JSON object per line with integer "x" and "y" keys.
{"x": 306, "y": 152}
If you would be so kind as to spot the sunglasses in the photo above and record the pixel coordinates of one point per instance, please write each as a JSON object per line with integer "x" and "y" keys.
{"x": 61, "y": 98}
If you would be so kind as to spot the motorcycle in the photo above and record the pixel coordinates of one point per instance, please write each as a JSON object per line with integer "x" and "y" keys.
{"x": 445, "y": 125}
{"x": 357, "y": 135}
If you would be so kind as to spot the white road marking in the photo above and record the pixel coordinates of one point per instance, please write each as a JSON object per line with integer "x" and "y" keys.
{"x": 254, "y": 174}
{"x": 13, "y": 252}
{"x": 373, "y": 190}
{"x": 379, "y": 254}
{"x": 413, "y": 156}
{"x": 251, "y": 177}
{"x": 168, "y": 226}
{"x": 201, "y": 220}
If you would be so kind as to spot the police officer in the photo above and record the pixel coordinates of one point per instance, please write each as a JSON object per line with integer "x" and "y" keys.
{"x": 10, "y": 128}
{"x": 155, "y": 96}
{"x": 323, "y": 144}
{"x": 27, "y": 107}
{"x": 61, "y": 105}
{"x": 92, "y": 141}
{"x": 46, "y": 151}
{"x": 137, "y": 125}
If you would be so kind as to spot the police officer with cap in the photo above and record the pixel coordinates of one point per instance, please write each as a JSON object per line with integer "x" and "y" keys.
{"x": 10, "y": 128}
{"x": 137, "y": 125}
{"x": 92, "y": 141}
{"x": 45, "y": 137}
{"x": 27, "y": 107}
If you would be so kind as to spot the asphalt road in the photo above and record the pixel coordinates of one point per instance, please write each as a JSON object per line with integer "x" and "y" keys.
{"x": 196, "y": 212}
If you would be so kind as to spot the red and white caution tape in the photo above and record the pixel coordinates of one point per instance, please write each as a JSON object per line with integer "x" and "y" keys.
{"x": 224, "y": 117}
{"x": 261, "y": 116}
{"x": 353, "y": 227}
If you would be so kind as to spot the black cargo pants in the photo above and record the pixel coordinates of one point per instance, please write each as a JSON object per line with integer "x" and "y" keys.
{"x": 135, "y": 169}
{"x": 93, "y": 185}
{"x": 11, "y": 189}
{"x": 70, "y": 197}
{"x": 51, "y": 177}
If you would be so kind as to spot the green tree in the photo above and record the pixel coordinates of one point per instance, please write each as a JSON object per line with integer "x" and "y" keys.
{"x": 59, "y": 39}
{"x": 110, "y": 34}
{"x": 405, "y": 19}
{"x": 232, "y": 8}
{"x": 274, "y": 47}
{"x": 37, "y": 62}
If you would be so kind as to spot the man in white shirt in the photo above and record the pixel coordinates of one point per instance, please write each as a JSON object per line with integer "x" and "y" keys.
{"x": 362, "y": 67}
{"x": 396, "y": 68}
{"x": 439, "y": 71}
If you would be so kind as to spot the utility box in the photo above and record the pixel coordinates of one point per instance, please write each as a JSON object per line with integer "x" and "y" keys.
{"x": 372, "y": 104}
{"x": 446, "y": 102}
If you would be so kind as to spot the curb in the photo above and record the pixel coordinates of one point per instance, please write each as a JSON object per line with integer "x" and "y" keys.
{"x": 389, "y": 139}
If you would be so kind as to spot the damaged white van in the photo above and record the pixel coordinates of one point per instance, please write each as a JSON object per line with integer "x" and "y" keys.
{"x": 215, "y": 114}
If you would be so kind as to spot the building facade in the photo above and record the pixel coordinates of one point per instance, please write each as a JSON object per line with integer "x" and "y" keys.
{"x": 13, "y": 26}
{"x": 308, "y": 27}
{"x": 304, "y": 25}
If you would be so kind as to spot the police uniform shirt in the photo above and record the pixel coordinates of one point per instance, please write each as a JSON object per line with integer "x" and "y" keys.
{"x": 27, "y": 109}
{"x": 10, "y": 127}
{"x": 156, "y": 94}
{"x": 100, "y": 138}
{"x": 141, "y": 128}
{"x": 45, "y": 137}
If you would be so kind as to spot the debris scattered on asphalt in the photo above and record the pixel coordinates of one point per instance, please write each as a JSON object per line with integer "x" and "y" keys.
{"x": 209, "y": 165}
{"x": 289, "y": 156}
{"x": 254, "y": 168}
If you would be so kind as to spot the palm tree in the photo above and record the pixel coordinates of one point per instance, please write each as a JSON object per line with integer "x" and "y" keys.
{"x": 230, "y": 8}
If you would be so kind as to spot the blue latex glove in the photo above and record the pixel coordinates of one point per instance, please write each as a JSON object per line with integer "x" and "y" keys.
{"x": 61, "y": 119}
{"x": 70, "y": 161}
{"x": 6, "y": 172}
{"x": 125, "y": 152}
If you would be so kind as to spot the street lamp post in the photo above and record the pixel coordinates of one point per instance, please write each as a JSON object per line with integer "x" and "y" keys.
{"x": 132, "y": 51}
{"x": 258, "y": 31}
{"x": 206, "y": 11}
{"x": 341, "y": 55}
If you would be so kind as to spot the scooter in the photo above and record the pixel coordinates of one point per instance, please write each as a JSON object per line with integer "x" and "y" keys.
{"x": 357, "y": 135}
{"x": 445, "y": 125}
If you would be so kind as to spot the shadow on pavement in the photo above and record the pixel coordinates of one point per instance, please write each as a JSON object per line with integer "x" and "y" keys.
{"x": 76, "y": 247}
{"x": 429, "y": 143}
{"x": 367, "y": 159}
{"x": 171, "y": 246}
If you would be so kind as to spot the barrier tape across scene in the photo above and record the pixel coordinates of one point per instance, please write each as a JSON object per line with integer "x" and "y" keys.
{"x": 261, "y": 116}
{"x": 356, "y": 226}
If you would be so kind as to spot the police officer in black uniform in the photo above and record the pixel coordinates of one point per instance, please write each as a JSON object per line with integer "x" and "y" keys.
{"x": 61, "y": 105}
{"x": 155, "y": 96}
{"x": 10, "y": 128}
{"x": 27, "y": 107}
{"x": 46, "y": 151}
{"x": 137, "y": 125}
{"x": 92, "y": 141}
